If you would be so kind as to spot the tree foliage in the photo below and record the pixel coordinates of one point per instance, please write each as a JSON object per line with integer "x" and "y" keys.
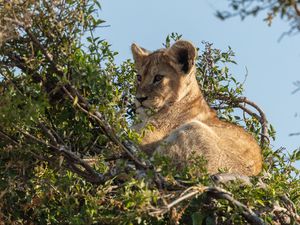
{"x": 287, "y": 10}
{"x": 68, "y": 155}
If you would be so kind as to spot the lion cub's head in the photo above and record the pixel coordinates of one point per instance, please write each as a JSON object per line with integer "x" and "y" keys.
{"x": 164, "y": 76}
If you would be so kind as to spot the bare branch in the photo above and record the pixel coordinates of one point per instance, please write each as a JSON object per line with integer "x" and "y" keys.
{"x": 88, "y": 173}
{"x": 294, "y": 134}
{"x": 216, "y": 193}
{"x": 296, "y": 8}
{"x": 9, "y": 138}
{"x": 223, "y": 178}
{"x": 48, "y": 132}
{"x": 291, "y": 208}
{"x": 297, "y": 84}
{"x": 108, "y": 130}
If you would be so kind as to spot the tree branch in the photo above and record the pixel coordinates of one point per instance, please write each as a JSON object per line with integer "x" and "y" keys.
{"x": 223, "y": 178}
{"x": 291, "y": 208}
{"x": 88, "y": 173}
{"x": 216, "y": 193}
{"x": 108, "y": 130}
{"x": 9, "y": 138}
{"x": 296, "y": 8}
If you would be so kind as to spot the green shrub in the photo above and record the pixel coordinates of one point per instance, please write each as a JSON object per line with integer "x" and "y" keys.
{"x": 68, "y": 156}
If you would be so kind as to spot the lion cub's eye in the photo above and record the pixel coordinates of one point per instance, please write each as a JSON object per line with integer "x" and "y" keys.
{"x": 139, "y": 78}
{"x": 158, "y": 78}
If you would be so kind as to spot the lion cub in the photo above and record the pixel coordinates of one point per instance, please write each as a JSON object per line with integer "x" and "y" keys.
{"x": 168, "y": 97}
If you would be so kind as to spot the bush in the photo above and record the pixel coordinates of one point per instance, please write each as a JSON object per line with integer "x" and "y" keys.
{"x": 68, "y": 155}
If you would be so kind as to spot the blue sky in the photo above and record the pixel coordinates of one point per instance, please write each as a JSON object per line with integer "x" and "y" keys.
{"x": 272, "y": 66}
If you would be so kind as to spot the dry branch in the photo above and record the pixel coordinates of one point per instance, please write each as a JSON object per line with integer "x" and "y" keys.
{"x": 8, "y": 137}
{"x": 89, "y": 173}
{"x": 216, "y": 193}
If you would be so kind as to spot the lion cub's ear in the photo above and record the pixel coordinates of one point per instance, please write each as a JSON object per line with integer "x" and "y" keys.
{"x": 138, "y": 54}
{"x": 184, "y": 53}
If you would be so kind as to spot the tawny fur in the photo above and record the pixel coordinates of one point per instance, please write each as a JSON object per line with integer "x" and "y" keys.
{"x": 184, "y": 126}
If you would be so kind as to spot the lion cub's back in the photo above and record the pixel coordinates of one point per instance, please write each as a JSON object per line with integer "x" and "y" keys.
{"x": 192, "y": 139}
{"x": 238, "y": 143}
{"x": 223, "y": 145}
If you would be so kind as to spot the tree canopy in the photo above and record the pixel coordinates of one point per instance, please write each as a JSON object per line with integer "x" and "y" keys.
{"x": 68, "y": 155}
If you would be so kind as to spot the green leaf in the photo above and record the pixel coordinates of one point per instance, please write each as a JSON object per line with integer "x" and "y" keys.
{"x": 197, "y": 218}
{"x": 75, "y": 101}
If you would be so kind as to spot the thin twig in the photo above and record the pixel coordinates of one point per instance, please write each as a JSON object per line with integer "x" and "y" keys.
{"x": 48, "y": 132}
{"x": 9, "y": 138}
{"x": 294, "y": 134}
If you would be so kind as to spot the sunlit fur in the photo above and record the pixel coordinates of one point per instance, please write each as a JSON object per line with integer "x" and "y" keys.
{"x": 184, "y": 125}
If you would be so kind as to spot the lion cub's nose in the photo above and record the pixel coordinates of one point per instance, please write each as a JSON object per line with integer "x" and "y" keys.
{"x": 141, "y": 99}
